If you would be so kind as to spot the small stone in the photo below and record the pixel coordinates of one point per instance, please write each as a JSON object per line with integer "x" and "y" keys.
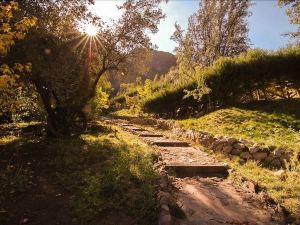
{"x": 266, "y": 149}
{"x": 246, "y": 155}
{"x": 279, "y": 173}
{"x": 276, "y": 163}
{"x": 219, "y": 147}
{"x": 165, "y": 219}
{"x": 251, "y": 186}
{"x": 278, "y": 152}
{"x": 239, "y": 146}
{"x": 163, "y": 183}
{"x": 24, "y": 221}
{"x": 165, "y": 207}
{"x": 270, "y": 157}
{"x": 245, "y": 142}
{"x": 236, "y": 151}
{"x": 253, "y": 149}
{"x": 227, "y": 149}
{"x": 286, "y": 156}
{"x": 260, "y": 156}
{"x": 231, "y": 141}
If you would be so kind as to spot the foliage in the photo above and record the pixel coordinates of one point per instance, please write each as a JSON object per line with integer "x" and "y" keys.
{"x": 283, "y": 188}
{"x": 135, "y": 100}
{"x": 99, "y": 102}
{"x": 255, "y": 75}
{"x": 104, "y": 170}
{"x": 218, "y": 28}
{"x": 293, "y": 12}
{"x": 67, "y": 70}
{"x": 125, "y": 184}
{"x": 12, "y": 29}
{"x": 267, "y": 123}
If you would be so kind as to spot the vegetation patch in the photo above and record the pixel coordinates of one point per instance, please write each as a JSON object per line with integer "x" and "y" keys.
{"x": 261, "y": 125}
{"x": 91, "y": 176}
{"x": 253, "y": 75}
{"x": 282, "y": 186}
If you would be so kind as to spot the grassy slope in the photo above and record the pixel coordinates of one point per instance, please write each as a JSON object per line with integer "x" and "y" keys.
{"x": 100, "y": 172}
{"x": 274, "y": 123}
{"x": 257, "y": 123}
{"x": 283, "y": 186}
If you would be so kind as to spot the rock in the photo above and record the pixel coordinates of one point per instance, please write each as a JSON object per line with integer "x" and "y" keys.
{"x": 215, "y": 144}
{"x": 278, "y": 152}
{"x": 165, "y": 219}
{"x": 245, "y": 155}
{"x": 207, "y": 140}
{"x": 239, "y": 146}
{"x": 164, "y": 198}
{"x": 163, "y": 183}
{"x": 279, "y": 173}
{"x": 25, "y": 220}
{"x": 227, "y": 149}
{"x": 260, "y": 156}
{"x": 236, "y": 151}
{"x": 165, "y": 207}
{"x": 251, "y": 186}
{"x": 270, "y": 157}
{"x": 253, "y": 149}
{"x": 219, "y": 147}
{"x": 266, "y": 149}
{"x": 286, "y": 156}
{"x": 276, "y": 163}
{"x": 231, "y": 141}
{"x": 245, "y": 142}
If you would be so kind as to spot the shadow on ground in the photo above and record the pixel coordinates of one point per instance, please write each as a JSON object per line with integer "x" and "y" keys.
{"x": 73, "y": 180}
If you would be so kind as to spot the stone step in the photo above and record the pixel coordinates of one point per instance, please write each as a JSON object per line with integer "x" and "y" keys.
{"x": 125, "y": 125}
{"x": 137, "y": 129}
{"x": 170, "y": 143}
{"x": 183, "y": 170}
{"x": 150, "y": 135}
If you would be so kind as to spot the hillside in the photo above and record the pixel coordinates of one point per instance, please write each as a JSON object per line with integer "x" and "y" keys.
{"x": 159, "y": 64}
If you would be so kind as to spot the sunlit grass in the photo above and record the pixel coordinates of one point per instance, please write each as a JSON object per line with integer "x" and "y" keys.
{"x": 257, "y": 126}
{"x": 104, "y": 170}
{"x": 283, "y": 187}
{"x": 8, "y": 139}
{"x": 129, "y": 113}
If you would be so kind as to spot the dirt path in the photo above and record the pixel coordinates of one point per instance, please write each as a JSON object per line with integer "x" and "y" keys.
{"x": 201, "y": 189}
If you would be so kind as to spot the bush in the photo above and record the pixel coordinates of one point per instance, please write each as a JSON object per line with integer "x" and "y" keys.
{"x": 254, "y": 75}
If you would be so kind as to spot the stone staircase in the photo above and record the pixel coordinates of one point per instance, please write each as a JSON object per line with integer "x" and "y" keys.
{"x": 200, "y": 189}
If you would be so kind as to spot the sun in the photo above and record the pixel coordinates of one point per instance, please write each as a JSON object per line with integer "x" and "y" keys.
{"x": 90, "y": 29}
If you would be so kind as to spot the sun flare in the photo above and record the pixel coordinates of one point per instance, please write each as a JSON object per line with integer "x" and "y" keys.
{"x": 90, "y": 29}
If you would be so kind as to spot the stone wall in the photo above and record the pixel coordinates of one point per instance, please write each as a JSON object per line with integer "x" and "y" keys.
{"x": 268, "y": 155}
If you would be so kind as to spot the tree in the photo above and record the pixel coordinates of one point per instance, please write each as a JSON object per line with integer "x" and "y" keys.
{"x": 218, "y": 28}
{"x": 293, "y": 12}
{"x": 67, "y": 65}
{"x": 12, "y": 29}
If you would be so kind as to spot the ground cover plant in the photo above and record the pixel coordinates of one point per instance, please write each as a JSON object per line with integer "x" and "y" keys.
{"x": 105, "y": 175}
{"x": 274, "y": 123}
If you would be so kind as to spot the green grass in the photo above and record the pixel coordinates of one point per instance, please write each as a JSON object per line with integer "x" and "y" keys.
{"x": 283, "y": 188}
{"x": 107, "y": 170}
{"x": 273, "y": 129}
{"x": 128, "y": 113}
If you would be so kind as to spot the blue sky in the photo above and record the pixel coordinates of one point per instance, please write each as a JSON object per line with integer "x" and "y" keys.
{"x": 267, "y": 23}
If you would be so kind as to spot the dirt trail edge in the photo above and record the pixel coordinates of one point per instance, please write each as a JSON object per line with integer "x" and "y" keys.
{"x": 201, "y": 192}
